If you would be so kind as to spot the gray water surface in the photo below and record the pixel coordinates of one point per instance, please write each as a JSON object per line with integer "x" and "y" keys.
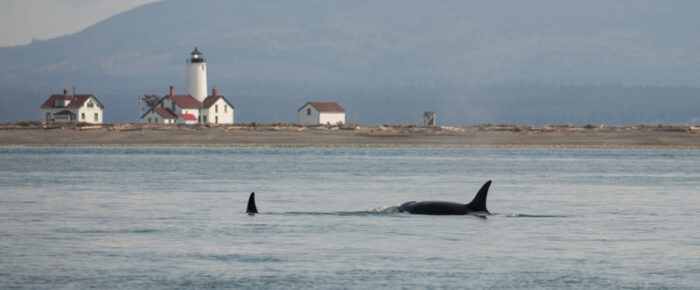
{"x": 175, "y": 218}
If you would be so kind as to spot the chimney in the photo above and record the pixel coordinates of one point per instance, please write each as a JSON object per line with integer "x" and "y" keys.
{"x": 213, "y": 92}
{"x": 65, "y": 92}
{"x": 172, "y": 91}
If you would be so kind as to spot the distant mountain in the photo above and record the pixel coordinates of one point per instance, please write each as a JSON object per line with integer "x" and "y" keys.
{"x": 385, "y": 60}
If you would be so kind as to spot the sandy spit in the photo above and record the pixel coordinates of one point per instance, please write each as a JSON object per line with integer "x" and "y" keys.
{"x": 352, "y": 136}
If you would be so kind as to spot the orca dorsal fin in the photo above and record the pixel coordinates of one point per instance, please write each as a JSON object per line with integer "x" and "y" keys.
{"x": 251, "y": 204}
{"x": 479, "y": 201}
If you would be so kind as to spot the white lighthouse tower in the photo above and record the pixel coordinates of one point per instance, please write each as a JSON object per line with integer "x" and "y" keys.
{"x": 197, "y": 76}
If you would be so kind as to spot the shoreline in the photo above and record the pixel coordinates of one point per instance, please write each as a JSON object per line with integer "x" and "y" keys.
{"x": 279, "y": 135}
{"x": 364, "y": 146}
{"x": 264, "y": 146}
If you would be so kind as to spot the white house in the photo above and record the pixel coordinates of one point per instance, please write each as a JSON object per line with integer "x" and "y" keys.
{"x": 185, "y": 109}
{"x": 195, "y": 107}
{"x": 72, "y": 108}
{"x": 317, "y": 113}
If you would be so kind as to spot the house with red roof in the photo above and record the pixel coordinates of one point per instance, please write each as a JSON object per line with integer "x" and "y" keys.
{"x": 185, "y": 109}
{"x": 72, "y": 108}
{"x": 320, "y": 113}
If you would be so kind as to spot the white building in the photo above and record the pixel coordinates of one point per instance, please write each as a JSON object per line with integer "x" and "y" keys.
{"x": 72, "y": 108}
{"x": 195, "y": 107}
{"x": 184, "y": 109}
{"x": 317, "y": 113}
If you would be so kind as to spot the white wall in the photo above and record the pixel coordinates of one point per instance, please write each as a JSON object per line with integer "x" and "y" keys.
{"x": 90, "y": 112}
{"x": 222, "y": 110}
{"x": 331, "y": 118}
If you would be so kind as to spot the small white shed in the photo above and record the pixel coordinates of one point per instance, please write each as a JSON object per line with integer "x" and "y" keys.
{"x": 319, "y": 113}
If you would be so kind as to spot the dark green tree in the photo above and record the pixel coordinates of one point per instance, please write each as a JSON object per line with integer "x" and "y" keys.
{"x": 151, "y": 100}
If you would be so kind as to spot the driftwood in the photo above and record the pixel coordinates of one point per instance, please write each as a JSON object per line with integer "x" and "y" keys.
{"x": 84, "y": 128}
{"x": 127, "y": 127}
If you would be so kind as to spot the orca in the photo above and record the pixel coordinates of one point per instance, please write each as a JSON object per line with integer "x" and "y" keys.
{"x": 476, "y": 207}
{"x": 251, "y": 209}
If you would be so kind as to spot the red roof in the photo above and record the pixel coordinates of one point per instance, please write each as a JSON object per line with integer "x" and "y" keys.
{"x": 186, "y": 101}
{"x": 210, "y": 100}
{"x": 189, "y": 117}
{"x": 76, "y": 101}
{"x": 327, "y": 107}
{"x": 165, "y": 113}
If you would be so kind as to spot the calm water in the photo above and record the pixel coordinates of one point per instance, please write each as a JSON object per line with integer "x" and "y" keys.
{"x": 175, "y": 218}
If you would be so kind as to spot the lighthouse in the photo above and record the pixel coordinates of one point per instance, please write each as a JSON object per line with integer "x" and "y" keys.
{"x": 197, "y": 76}
{"x": 195, "y": 107}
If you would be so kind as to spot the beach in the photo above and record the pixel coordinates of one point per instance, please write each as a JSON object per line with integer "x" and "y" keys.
{"x": 352, "y": 136}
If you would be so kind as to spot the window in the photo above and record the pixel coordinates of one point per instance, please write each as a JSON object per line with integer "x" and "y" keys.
{"x": 60, "y": 103}
{"x": 82, "y": 116}
{"x": 96, "y": 117}
{"x": 204, "y": 119}
{"x": 308, "y": 111}
{"x": 216, "y": 108}
{"x": 90, "y": 105}
{"x": 156, "y": 120}
{"x": 216, "y": 119}
{"x": 149, "y": 120}
{"x": 225, "y": 108}
{"x": 48, "y": 116}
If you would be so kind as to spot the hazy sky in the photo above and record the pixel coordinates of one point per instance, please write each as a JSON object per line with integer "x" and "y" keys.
{"x": 24, "y": 20}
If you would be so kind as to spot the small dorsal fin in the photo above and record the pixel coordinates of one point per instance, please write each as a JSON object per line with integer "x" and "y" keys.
{"x": 479, "y": 201}
{"x": 251, "y": 204}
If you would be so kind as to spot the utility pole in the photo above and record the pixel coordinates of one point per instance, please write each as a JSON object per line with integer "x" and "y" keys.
{"x": 138, "y": 120}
